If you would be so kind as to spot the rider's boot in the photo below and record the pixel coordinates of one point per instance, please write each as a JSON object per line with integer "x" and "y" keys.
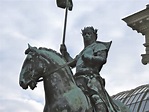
{"x": 100, "y": 107}
{"x": 98, "y": 104}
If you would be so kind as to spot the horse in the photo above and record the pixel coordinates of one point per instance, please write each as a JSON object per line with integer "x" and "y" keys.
{"x": 61, "y": 92}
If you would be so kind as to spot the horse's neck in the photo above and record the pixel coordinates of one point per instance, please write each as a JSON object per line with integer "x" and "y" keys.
{"x": 57, "y": 84}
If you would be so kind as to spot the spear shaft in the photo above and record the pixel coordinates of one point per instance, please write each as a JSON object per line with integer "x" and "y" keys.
{"x": 65, "y": 22}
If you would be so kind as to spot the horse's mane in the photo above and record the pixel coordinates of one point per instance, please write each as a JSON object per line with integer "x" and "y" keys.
{"x": 60, "y": 60}
{"x": 58, "y": 54}
{"x": 45, "y": 52}
{"x": 50, "y": 50}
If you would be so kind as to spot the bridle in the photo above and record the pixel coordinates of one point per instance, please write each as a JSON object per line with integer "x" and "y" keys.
{"x": 45, "y": 65}
{"x": 48, "y": 61}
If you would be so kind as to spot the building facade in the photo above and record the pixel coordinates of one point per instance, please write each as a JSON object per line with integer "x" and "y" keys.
{"x": 140, "y": 22}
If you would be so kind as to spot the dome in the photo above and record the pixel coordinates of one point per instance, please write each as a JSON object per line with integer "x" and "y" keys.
{"x": 137, "y": 100}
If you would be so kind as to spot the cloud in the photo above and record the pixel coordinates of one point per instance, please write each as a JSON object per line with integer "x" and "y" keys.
{"x": 20, "y": 105}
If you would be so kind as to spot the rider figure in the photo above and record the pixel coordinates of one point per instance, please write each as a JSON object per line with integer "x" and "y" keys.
{"x": 88, "y": 65}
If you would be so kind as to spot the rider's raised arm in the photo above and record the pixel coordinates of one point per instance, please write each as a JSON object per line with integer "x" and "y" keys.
{"x": 66, "y": 55}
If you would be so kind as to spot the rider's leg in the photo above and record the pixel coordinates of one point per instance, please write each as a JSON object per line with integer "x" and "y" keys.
{"x": 99, "y": 105}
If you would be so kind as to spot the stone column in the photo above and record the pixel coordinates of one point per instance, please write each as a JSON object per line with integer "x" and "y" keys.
{"x": 145, "y": 57}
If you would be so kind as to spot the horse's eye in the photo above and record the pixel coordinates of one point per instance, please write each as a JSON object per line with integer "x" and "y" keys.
{"x": 30, "y": 69}
{"x": 31, "y": 60}
{"x": 29, "y": 57}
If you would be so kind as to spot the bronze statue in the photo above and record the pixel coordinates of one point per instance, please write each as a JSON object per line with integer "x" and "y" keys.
{"x": 65, "y": 92}
{"x": 88, "y": 65}
{"x": 61, "y": 92}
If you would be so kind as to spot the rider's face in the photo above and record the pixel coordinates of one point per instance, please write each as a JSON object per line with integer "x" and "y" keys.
{"x": 88, "y": 36}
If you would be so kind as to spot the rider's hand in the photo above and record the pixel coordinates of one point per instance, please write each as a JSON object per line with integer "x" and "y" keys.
{"x": 63, "y": 48}
{"x": 86, "y": 57}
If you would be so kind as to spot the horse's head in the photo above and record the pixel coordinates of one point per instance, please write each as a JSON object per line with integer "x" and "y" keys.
{"x": 33, "y": 68}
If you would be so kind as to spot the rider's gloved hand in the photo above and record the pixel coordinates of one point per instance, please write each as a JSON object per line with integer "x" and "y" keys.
{"x": 86, "y": 57}
{"x": 63, "y": 49}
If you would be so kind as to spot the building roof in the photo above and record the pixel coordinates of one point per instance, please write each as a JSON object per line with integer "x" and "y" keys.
{"x": 137, "y": 100}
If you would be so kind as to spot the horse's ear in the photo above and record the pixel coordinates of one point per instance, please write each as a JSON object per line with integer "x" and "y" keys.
{"x": 29, "y": 46}
{"x": 28, "y": 49}
{"x": 31, "y": 49}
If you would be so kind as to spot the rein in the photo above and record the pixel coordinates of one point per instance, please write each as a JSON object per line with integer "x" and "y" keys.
{"x": 62, "y": 66}
{"x": 47, "y": 60}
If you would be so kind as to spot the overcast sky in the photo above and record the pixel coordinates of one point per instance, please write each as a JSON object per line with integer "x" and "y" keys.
{"x": 40, "y": 23}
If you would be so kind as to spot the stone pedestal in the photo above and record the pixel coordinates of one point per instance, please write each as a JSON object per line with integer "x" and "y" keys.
{"x": 140, "y": 22}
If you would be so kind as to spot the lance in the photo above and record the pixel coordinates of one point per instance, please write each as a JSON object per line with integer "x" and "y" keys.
{"x": 65, "y": 22}
{"x": 68, "y": 5}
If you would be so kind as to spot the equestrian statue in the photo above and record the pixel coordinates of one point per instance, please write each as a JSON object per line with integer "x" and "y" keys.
{"x": 83, "y": 91}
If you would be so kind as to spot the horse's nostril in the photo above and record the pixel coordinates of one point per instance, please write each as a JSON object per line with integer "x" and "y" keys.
{"x": 23, "y": 85}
